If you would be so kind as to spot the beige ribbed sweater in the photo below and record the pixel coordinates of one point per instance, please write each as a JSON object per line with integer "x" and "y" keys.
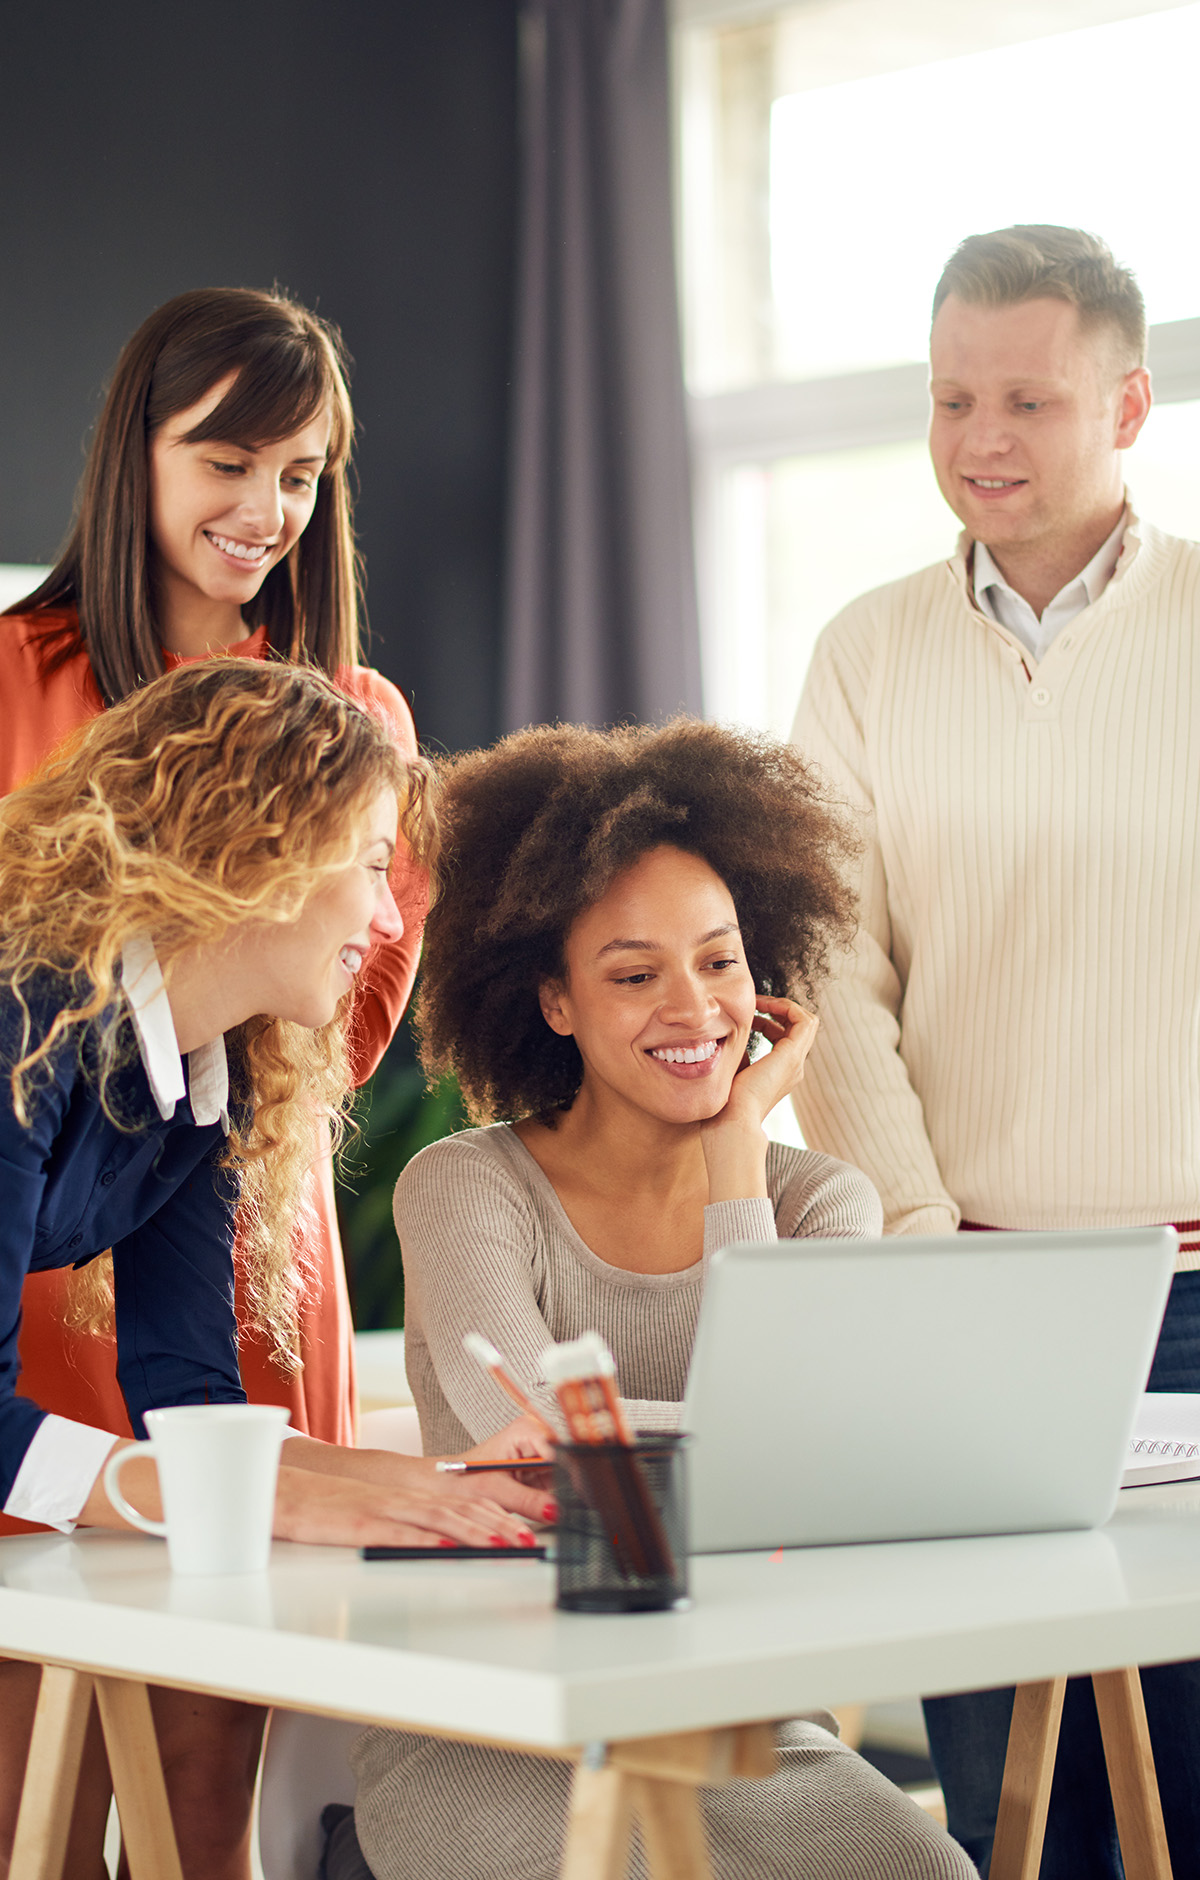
{"x": 1017, "y": 1033}
{"x": 488, "y": 1247}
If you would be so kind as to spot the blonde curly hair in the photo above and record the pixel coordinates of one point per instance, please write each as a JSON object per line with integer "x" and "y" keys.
{"x": 222, "y": 793}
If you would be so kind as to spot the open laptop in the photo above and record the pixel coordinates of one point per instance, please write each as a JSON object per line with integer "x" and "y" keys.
{"x": 892, "y": 1390}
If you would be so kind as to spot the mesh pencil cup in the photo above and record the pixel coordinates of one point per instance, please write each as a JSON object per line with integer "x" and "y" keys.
{"x": 621, "y": 1541}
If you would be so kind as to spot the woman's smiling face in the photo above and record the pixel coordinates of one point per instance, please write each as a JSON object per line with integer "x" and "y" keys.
{"x": 222, "y": 515}
{"x": 657, "y": 994}
{"x": 305, "y": 967}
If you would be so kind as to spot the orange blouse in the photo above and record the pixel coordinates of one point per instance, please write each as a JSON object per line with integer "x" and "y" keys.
{"x": 74, "y": 1373}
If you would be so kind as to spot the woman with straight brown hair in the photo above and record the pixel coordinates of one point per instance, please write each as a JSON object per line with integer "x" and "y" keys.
{"x": 279, "y": 369}
{"x": 214, "y": 517}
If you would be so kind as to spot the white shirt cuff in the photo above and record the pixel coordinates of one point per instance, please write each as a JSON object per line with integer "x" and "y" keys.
{"x": 57, "y": 1473}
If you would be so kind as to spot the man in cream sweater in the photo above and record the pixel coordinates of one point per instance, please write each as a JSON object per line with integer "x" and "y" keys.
{"x": 1015, "y": 1041}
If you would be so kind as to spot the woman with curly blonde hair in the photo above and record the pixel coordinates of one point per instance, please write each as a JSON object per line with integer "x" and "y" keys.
{"x": 188, "y": 895}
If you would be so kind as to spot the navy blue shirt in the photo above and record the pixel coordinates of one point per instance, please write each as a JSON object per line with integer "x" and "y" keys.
{"x": 73, "y": 1183}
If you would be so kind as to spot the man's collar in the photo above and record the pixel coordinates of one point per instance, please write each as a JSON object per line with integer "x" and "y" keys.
{"x": 1094, "y": 578}
{"x": 207, "y": 1084}
{"x": 1126, "y": 538}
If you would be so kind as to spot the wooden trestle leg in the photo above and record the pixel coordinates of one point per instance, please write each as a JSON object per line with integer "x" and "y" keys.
{"x": 147, "y": 1831}
{"x": 599, "y": 1823}
{"x": 1136, "y": 1805}
{"x": 659, "y": 1777}
{"x": 1028, "y": 1774}
{"x": 52, "y": 1774}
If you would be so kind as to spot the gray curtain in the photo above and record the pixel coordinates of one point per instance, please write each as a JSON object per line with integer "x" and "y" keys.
{"x": 601, "y": 600}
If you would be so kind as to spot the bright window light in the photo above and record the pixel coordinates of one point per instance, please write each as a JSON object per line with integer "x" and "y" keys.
{"x": 1163, "y": 468}
{"x": 874, "y": 183}
{"x": 17, "y": 579}
{"x": 805, "y": 535}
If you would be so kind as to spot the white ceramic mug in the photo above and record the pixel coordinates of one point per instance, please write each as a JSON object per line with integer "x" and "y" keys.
{"x": 217, "y": 1468}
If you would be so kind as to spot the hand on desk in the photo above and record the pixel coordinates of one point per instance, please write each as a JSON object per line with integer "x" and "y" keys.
{"x": 422, "y": 1511}
{"x": 373, "y": 1497}
{"x": 384, "y": 1492}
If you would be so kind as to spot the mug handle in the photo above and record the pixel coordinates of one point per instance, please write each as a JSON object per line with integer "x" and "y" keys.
{"x": 112, "y": 1469}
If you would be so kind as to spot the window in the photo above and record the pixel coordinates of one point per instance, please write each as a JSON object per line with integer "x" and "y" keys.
{"x": 831, "y": 157}
{"x": 17, "y": 579}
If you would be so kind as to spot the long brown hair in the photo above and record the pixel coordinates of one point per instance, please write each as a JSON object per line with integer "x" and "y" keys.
{"x": 290, "y": 365}
{"x": 226, "y": 792}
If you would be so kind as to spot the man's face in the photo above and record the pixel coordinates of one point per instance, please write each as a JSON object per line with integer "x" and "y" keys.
{"x": 1030, "y": 415}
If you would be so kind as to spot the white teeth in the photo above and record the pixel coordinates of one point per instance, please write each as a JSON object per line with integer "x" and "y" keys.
{"x": 995, "y": 483}
{"x": 351, "y": 959}
{"x": 692, "y": 1054}
{"x": 243, "y": 551}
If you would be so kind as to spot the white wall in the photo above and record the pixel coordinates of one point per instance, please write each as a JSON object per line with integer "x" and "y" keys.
{"x": 17, "y": 579}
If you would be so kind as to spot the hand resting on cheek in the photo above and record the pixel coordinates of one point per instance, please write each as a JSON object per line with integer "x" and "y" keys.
{"x": 733, "y": 1141}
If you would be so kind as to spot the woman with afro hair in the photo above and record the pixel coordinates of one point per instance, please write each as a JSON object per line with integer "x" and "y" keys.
{"x": 622, "y": 912}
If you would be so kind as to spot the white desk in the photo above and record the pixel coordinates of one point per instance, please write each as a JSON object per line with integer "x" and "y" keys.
{"x": 477, "y": 1649}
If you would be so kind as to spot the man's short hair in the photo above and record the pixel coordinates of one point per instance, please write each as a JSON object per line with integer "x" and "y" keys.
{"x": 1039, "y": 261}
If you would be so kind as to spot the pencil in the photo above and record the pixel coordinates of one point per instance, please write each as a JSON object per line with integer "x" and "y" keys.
{"x": 517, "y": 1465}
{"x": 486, "y": 1354}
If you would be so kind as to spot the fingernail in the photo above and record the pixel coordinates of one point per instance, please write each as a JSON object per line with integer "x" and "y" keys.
{"x": 497, "y": 1540}
{"x": 444, "y": 1542}
{"x": 526, "y": 1538}
{"x": 550, "y": 1511}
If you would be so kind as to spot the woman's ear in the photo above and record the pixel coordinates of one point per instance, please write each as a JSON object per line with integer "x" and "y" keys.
{"x": 552, "y": 997}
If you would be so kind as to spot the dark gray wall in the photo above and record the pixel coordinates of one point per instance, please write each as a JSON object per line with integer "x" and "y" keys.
{"x": 361, "y": 154}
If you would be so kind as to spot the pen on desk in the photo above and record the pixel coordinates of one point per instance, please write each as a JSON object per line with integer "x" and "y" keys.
{"x": 485, "y": 1353}
{"x": 453, "y": 1553}
{"x": 516, "y": 1465}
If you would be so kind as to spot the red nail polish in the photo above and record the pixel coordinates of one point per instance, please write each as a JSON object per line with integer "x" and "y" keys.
{"x": 497, "y": 1540}
{"x": 550, "y": 1511}
{"x": 526, "y": 1538}
{"x": 443, "y": 1541}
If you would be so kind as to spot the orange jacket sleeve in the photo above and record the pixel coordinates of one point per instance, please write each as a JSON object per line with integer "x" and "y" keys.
{"x": 37, "y": 712}
{"x": 390, "y": 970}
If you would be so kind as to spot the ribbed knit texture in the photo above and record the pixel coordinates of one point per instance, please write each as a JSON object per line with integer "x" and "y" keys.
{"x": 1016, "y": 1036}
{"x": 428, "y": 1809}
{"x": 488, "y": 1248}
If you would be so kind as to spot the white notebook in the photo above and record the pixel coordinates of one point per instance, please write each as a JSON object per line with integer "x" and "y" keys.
{"x": 1165, "y": 1445}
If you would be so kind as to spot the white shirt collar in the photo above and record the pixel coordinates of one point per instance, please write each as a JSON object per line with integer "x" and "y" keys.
{"x": 207, "y": 1084}
{"x": 1000, "y": 602}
